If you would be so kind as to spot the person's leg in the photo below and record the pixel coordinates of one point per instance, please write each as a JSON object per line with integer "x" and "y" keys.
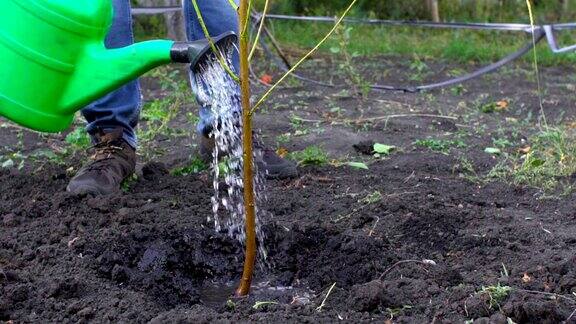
{"x": 219, "y": 17}
{"x": 120, "y": 108}
{"x": 111, "y": 123}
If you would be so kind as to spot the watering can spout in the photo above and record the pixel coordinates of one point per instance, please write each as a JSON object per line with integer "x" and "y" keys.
{"x": 103, "y": 70}
{"x": 197, "y": 51}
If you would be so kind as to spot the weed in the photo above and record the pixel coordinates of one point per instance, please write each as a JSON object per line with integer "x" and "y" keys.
{"x": 159, "y": 113}
{"x": 552, "y": 156}
{"x": 12, "y": 160}
{"x": 500, "y": 171}
{"x": 393, "y": 312}
{"x": 298, "y": 125}
{"x": 47, "y": 154}
{"x": 195, "y": 165}
{"x": 283, "y": 138}
{"x": 312, "y": 155}
{"x": 128, "y": 182}
{"x": 78, "y": 139}
{"x": 354, "y": 78}
{"x": 458, "y": 90}
{"x": 502, "y": 142}
{"x": 230, "y": 305}
{"x": 419, "y": 68}
{"x": 496, "y": 294}
{"x": 496, "y": 106}
{"x": 440, "y": 145}
{"x": 467, "y": 169}
{"x": 371, "y": 198}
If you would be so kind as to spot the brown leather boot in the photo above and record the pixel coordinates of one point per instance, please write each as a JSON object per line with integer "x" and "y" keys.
{"x": 273, "y": 166}
{"x": 112, "y": 162}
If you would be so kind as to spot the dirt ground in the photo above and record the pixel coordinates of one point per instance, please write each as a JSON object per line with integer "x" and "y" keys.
{"x": 411, "y": 240}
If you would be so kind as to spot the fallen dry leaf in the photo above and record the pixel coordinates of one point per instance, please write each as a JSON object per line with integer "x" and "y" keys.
{"x": 526, "y": 278}
{"x": 502, "y": 105}
{"x": 525, "y": 150}
{"x": 282, "y": 152}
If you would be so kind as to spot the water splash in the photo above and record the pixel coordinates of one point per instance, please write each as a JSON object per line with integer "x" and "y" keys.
{"x": 222, "y": 94}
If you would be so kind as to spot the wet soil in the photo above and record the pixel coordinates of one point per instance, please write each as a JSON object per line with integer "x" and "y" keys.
{"x": 411, "y": 240}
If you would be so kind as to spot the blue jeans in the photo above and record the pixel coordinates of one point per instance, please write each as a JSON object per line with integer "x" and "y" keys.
{"x": 121, "y": 108}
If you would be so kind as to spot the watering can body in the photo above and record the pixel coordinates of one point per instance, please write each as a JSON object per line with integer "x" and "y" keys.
{"x": 54, "y": 62}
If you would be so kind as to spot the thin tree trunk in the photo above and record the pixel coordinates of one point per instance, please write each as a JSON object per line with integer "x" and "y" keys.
{"x": 249, "y": 199}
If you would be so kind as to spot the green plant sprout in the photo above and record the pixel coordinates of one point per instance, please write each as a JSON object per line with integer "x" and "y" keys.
{"x": 355, "y": 80}
{"x": 312, "y": 155}
{"x": 497, "y": 294}
{"x": 195, "y": 165}
{"x": 440, "y": 145}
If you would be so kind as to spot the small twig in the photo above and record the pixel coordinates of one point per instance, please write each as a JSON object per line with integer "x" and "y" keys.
{"x": 408, "y": 178}
{"x": 276, "y": 46}
{"x": 263, "y": 303}
{"x": 374, "y": 227}
{"x": 424, "y": 262}
{"x": 545, "y": 230}
{"x": 547, "y": 294}
{"x": 261, "y": 25}
{"x": 319, "y": 308}
{"x": 571, "y": 315}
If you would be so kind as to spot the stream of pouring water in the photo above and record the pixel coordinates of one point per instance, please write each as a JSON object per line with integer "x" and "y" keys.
{"x": 222, "y": 94}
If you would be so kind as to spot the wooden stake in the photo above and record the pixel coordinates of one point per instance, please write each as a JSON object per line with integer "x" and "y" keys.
{"x": 434, "y": 10}
{"x": 249, "y": 199}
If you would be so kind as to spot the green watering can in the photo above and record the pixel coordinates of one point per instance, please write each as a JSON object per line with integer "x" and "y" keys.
{"x": 53, "y": 61}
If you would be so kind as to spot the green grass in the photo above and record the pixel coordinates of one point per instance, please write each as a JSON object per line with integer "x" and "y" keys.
{"x": 461, "y": 46}
{"x": 78, "y": 139}
{"x": 548, "y": 165}
{"x": 158, "y": 113}
{"x": 440, "y": 145}
{"x": 551, "y": 158}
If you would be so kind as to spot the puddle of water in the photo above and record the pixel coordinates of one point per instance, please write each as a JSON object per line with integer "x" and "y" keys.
{"x": 216, "y": 295}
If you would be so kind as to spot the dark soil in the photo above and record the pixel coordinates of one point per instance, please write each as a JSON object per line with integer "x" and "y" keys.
{"x": 408, "y": 241}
